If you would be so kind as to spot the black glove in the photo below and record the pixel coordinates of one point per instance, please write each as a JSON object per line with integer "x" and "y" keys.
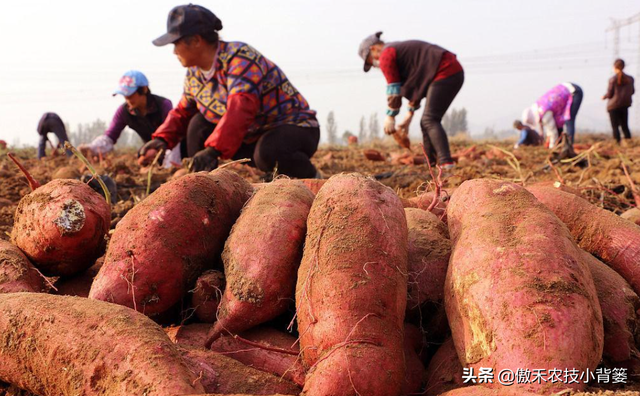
{"x": 154, "y": 144}
{"x": 204, "y": 160}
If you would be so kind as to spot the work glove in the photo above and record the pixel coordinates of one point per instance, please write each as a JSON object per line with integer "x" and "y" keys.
{"x": 148, "y": 152}
{"x": 390, "y": 125}
{"x": 404, "y": 125}
{"x": 204, "y": 160}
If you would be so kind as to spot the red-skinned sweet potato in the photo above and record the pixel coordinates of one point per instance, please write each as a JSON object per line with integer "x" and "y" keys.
{"x": 351, "y": 290}
{"x": 60, "y": 345}
{"x": 265, "y": 352}
{"x": 79, "y": 285}
{"x": 444, "y": 372}
{"x": 17, "y": 274}
{"x": 164, "y": 243}
{"x": 614, "y": 240}
{"x": 314, "y": 184}
{"x": 207, "y": 294}
{"x": 261, "y": 263}
{"x": 429, "y": 249}
{"x": 221, "y": 374}
{"x": 619, "y": 304}
{"x": 517, "y": 294}
{"x": 61, "y": 227}
{"x": 413, "y": 343}
{"x": 424, "y": 201}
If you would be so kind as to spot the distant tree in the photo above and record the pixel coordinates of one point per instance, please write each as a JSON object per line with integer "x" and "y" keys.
{"x": 374, "y": 127}
{"x": 85, "y": 133}
{"x": 455, "y": 121}
{"x": 362, "y": 135}
{"x": 345, "y": 137}
{"x": 332, "y": 129}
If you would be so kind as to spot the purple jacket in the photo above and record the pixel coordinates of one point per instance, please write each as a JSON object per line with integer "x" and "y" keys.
{"x": 157, "y": 110}
{"x": 557, "y": 100}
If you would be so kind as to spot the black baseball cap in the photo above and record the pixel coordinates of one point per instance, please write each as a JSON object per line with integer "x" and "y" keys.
{"x": 187, "y": 20}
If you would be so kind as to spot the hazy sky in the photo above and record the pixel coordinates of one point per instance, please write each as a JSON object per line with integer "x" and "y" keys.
{"x": 67, "y": 56}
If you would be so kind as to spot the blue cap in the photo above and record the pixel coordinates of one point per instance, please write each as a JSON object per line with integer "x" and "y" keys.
{"x": 130, "y": 82}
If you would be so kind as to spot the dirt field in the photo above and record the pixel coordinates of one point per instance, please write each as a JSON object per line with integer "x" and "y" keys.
{"x": 597, "y": 172}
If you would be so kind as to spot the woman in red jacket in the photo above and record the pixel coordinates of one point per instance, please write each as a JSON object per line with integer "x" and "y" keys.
{"x": 416, "y": 70}
{"x": 619, "y": 93}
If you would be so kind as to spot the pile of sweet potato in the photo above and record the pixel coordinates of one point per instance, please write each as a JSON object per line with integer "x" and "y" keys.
{"x": 333, "y": 288}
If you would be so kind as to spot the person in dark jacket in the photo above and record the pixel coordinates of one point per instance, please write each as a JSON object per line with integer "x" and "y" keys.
{"x": 416, "y": 70}
{"x": 528, "y": 137}
{"x": 236, "y": 103}
{"x": 51, "y": 122}
{"x": 621, "y": 89}
{"x": 141, "y": 111}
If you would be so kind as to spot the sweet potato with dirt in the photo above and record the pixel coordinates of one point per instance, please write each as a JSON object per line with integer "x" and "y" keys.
{"x": 207, "y": 294}
{"x": 267, "y": 350}
{"x": 613, "y": 240}
{"x": 633, "y": 215}
{"x": 619, "y": 304}
{"x": 444, "y": 372}
{"x": 221, "y": 374}
{"x": 61, "y": 227}
{"x": 17, "y": 274}
{"x": 517, "y": 293}
{"x": 429, "y": 249}
{"x": 351, "y": 291}
{"x": 261, "y": 257}
{"x": 59, "y": 345}
{"x": 425, "y": 200}
{"x": 164, "y": 243}
{"x": 314, "y": 184}
{"x": 413, "y": 343}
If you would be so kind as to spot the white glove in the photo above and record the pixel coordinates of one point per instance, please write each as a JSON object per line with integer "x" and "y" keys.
{"x": 390, "y": 125}
{"x": 404, "y": 125}
{"x": 100, "y": 145}
{"x": 515, "y": 146}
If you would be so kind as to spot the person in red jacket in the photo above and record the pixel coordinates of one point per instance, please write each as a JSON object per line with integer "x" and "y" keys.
{"x": 416, "y": 70}
{"x": 236, "y": 103}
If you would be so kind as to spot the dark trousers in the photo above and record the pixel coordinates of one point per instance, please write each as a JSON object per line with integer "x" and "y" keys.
{"x": 289, "y": 146}
{"x": 439, "y": 97}
{"x": 620, "y": 120}
{"x": 57, "y": 127}
{"x": 575, "y": 106}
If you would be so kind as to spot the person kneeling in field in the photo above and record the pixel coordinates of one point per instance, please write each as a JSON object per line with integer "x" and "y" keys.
{"x": 236, "y": 103}
{"x": 528, "y": 137}
{"x": 142, "y": 111}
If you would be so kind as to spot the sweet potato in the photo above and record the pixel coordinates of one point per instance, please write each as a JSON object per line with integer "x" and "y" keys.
{"x": 479, "y": 390}
{"x": 261, "y": 262}
{"x": 61, "y": 227}
{"x": 517, "y": 293}
{"x": 265, "y": 352}
{"x": 633, "y": 215}
{"x": 188, "y": 336}
{"x": 314, "y": 184}
{"x": 220, "y": 374}
{"x": 444, "y": 372}
{"x": 59, "y": 345}
{"x": 17, "y": 274}
{"x": 619, "y": 304}
{"x": 413, "y": 341}
{"x": 614, "y": 240}
{"x": 351, "y": 291}
{"x": 428, "y": 258}
{"x": 424, "y": 201}
{"x": 373, "y": 155}
{"x": 164, "y": 243}
{"x": 207, "y": 294}
{"x": 79, "y": 285}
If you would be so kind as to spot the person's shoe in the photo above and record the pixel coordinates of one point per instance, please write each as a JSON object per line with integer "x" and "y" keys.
{"x": 448, "y": 166}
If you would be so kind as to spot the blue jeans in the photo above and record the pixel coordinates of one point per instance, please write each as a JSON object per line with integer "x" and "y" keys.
{"x": 570, "y": 125}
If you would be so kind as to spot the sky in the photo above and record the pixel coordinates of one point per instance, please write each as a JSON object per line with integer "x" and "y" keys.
{"x": 67, "y": 56}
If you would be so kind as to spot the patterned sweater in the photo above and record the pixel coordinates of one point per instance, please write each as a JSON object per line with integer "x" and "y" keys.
{"x": 245, "y": 96}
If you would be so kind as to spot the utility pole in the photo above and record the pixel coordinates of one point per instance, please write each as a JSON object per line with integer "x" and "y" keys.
{"x": 615, "y": 27}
